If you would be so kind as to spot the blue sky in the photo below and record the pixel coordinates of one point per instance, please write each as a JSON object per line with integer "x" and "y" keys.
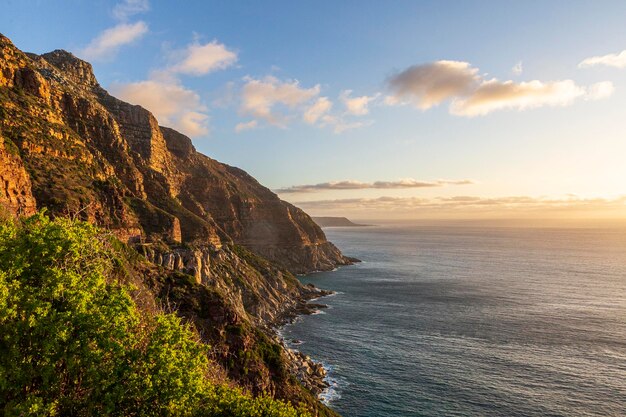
{"x": 552, "y": 148}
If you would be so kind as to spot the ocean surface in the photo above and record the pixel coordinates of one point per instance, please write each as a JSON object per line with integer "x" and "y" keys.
{"x": 473, "y": 321}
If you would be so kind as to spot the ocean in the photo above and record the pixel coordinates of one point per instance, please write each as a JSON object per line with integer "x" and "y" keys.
{"x": 469, "y": 320}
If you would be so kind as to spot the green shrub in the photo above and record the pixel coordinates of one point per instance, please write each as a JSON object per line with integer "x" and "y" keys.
{"x": 73, "y": 343}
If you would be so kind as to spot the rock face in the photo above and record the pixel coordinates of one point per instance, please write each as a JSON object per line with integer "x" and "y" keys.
{"x": 15, "y": 187}
{"x": 231, "y": 244}
{"x": 255, "y": 287}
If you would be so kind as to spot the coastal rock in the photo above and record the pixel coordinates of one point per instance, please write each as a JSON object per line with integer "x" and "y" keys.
{"x": 310, "y": 373}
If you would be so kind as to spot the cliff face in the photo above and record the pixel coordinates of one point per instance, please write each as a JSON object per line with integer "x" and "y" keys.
{"x": 247, "y": 212}
{"x": 68, "y": 146}
{"x": 129, "y": 174}
{"x": 15, "y": 195}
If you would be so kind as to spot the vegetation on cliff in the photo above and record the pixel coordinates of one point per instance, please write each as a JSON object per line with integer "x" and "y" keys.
{"x": 73, "y": 341}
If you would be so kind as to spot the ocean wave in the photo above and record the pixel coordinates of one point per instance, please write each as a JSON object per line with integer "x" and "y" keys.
{"x": 334, "y": 293}
{"x": 332, "y": 392}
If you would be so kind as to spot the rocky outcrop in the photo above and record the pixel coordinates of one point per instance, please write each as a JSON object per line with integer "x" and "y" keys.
{"x": 77, "y": 71}
{"x": 311, "y": 373}
{"x": 255, "y": 287}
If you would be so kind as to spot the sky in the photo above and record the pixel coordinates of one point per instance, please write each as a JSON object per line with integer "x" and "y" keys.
{"x": 374, "y": 109}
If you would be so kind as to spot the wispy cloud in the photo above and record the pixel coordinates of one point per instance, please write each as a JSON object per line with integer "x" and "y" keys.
{"x": 321, "y": 106}
{"x": 172, "y": 104}
{"x": 518, "y": 68}
{"x": 617, "y": 60}
{"x": 107, "y": 44}
{"x": 240, "y": 127}
{"x": 471, "y": 94}
{"x": 358, "y": 106}
{"x": 466, "y": 206}
{"x": 358, "y": 185}
{"x": 128, "y": 8}
{"x": 339, "y": 124}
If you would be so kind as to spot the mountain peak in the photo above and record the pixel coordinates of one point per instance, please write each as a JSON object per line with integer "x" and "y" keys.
{"x": 79, "y": 71}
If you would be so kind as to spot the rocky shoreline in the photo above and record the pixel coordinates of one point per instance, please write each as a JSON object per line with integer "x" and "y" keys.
{"x": 309, "y": 372}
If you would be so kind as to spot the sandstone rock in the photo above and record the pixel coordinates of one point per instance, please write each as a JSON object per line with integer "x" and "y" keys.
{"x": 15, "y": 187}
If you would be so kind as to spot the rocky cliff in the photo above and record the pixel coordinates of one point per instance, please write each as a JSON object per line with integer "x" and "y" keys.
{"x": 68, "y": 146}
{"x": 87, "y": 152}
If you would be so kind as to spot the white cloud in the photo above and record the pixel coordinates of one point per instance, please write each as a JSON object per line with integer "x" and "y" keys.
{"x": 172, "y": 104}
{"x": 192, "y": 123}
{"x": 494, "y": 95}
{"x": 240, "y": 127}
{"x": 518, "y": 68}
{"x": 280, "y": 101}
{"x": 404, "y": 183}
{"x": 339, "y": 124}
{"x": 201, "y": 59}
{"x": 128, "y": 8}
{"x": 470, "y": 94}
{"x": 601, "y": 90}
{"x": 617, "y": 60}
{"x": 357, "y": 106}
{"x": 317, "y": 110}
{"x": 107, "y": 44}
{"x": 260, "y": 98}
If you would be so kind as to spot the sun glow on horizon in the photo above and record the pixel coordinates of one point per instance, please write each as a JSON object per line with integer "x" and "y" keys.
{"x": 469, "y": 207}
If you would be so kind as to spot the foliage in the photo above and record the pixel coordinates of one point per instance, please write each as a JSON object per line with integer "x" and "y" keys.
{"x": 270, "y": 353}
{"x": 73, "y": 342}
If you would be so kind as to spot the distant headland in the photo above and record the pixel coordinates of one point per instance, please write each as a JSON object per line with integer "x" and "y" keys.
{"x": 336, "y": 222}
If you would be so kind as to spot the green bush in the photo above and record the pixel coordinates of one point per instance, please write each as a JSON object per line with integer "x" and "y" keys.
{"x": 73, "y": 343}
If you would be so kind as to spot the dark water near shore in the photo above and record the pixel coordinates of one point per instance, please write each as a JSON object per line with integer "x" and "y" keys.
{"x": 473, "y": 321}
